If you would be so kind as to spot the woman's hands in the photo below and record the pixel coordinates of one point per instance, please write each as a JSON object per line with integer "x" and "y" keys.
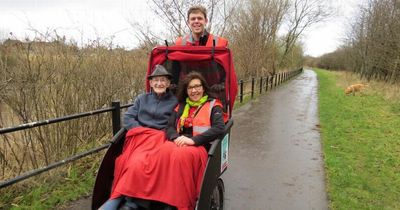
{"x": 183, "y": 141}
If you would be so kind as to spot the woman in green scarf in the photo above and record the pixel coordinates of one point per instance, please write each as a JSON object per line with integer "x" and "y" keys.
{"x": 197, "y": 120}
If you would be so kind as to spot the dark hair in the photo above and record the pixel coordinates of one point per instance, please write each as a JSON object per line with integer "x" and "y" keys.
{"x": 183, "y": 85}
{"x": 196, "y": 9}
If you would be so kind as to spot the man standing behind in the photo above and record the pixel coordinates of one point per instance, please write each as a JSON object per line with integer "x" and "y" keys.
{"x": 197, "y": 21}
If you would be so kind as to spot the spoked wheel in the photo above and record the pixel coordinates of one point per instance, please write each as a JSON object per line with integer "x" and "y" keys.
{"x": 217, "y": 197}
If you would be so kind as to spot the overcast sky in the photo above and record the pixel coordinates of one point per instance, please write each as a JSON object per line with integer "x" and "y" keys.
{"x": 86, "y": 20}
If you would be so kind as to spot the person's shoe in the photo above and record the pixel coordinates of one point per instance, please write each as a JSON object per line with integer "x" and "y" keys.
{"x": 129, "y": 206}
{"x": 168, "y": 207}
{"x": 124, "y": 207}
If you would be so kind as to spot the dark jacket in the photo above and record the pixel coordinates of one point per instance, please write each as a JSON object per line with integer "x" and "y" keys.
{"x": 216, "y": 130}
{"x": 150, "y": 110}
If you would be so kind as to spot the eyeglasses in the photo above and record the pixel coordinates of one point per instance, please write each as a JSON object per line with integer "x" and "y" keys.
{"x": 196, "y": 87}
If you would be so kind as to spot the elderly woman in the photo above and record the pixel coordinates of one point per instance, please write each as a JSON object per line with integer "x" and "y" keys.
{"x": 152, "y": 109}
{"x": 145, "y": 121}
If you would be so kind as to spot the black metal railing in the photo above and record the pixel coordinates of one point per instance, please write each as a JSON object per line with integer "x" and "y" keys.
{"x": 115, "y": 109}
{"x": 269, "y": 82}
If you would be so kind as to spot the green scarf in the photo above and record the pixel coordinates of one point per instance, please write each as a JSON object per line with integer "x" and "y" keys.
{"x": 189, "y": 104}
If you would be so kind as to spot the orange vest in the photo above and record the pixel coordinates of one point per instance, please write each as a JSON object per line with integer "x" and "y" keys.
{"x": 202, "y": 120}
{"x": 188, "y": 41}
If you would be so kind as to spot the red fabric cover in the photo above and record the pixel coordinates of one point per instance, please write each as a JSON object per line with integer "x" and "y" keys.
{"x": 150, "y": 167}
{"x": 222, "y": 55}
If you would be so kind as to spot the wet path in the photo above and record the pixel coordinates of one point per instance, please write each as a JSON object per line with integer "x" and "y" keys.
{"x": 275, "y": 153}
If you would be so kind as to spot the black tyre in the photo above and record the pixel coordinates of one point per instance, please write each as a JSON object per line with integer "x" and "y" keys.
{"x": 217, "y": 197}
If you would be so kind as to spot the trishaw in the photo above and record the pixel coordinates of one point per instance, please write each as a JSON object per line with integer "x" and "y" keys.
{"x": 216, "y": 65}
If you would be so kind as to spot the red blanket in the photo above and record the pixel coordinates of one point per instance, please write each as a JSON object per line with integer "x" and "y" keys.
{"x": 150, "y": 167}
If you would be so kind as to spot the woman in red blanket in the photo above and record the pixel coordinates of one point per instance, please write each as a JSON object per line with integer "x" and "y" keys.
{"x": 147, "y": 119}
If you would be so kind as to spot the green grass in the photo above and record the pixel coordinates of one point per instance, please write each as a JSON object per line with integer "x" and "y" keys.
{"x": 48, "y": 193}
{"x": 361, "y": 143}
{"x": 246, "y": 99}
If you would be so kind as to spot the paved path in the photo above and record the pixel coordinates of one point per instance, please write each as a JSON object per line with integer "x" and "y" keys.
{"x": 275, "y": 155}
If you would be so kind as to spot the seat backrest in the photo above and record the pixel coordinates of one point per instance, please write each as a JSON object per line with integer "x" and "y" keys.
{"x": 213, "y": 73}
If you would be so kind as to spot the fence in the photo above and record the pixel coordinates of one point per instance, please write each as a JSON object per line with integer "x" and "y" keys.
{"x": 266, "y": 83}
{"x": 115, "y": 109}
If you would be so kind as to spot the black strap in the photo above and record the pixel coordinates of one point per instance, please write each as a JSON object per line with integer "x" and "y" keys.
{"x": 213, "y": 63}
{"x": 166, "y": 53}
{"x": 213, "y": 49}
{"x": 166, "y": 50}
{"x": 180, "y": 109}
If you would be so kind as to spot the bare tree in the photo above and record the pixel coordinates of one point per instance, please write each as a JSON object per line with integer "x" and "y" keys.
{"x": 253, "y": 35}
{"x": 3, "y": 35}
{"x": 303, "y": 14}
{"x": 173, "y": 15}
{"x": 148, "y": 39}
{"x": 373, "y": 41}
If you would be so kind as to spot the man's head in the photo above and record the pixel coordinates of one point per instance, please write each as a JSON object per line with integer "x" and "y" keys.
{"x": 197, "y": 20}
{"x": 159, "y": 79}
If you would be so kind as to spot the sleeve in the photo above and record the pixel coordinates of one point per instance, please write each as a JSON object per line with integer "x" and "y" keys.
{"x": 216, "y": 130}
{"x": 171, "y": 127}
{"x": 131, "y": 115}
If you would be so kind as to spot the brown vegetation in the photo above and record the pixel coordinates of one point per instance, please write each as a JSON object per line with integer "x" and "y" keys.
{"x": 44, "y": 80}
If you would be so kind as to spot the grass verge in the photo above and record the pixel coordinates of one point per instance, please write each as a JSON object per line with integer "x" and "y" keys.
{"x": 49, "y": 191}
{"x": 361, "y": 143}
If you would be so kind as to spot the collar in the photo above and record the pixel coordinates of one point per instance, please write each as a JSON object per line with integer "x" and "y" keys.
{"x": 203, "y": 38}
{"x": 164, "y": 95}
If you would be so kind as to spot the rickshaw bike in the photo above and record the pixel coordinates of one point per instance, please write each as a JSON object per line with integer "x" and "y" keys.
{"x": 216, "y": 65}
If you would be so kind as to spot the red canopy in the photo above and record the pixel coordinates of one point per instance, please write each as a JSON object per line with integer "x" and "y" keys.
{"x": 198, "y": 54}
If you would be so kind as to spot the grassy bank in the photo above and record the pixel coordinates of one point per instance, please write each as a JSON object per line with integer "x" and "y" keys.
{"x": 361, "y": 143}
{"x": 49, "y": 191}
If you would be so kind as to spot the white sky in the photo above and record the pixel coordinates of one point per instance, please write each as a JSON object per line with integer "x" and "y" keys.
{"x": 327, "y": 36}
{"x": 86, "y": 20}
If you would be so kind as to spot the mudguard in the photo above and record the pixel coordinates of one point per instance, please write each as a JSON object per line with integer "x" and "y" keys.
{"x": 105, "y": 175}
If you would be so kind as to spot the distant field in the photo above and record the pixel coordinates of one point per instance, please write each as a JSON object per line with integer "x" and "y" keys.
{"x": 361, "y": 143}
